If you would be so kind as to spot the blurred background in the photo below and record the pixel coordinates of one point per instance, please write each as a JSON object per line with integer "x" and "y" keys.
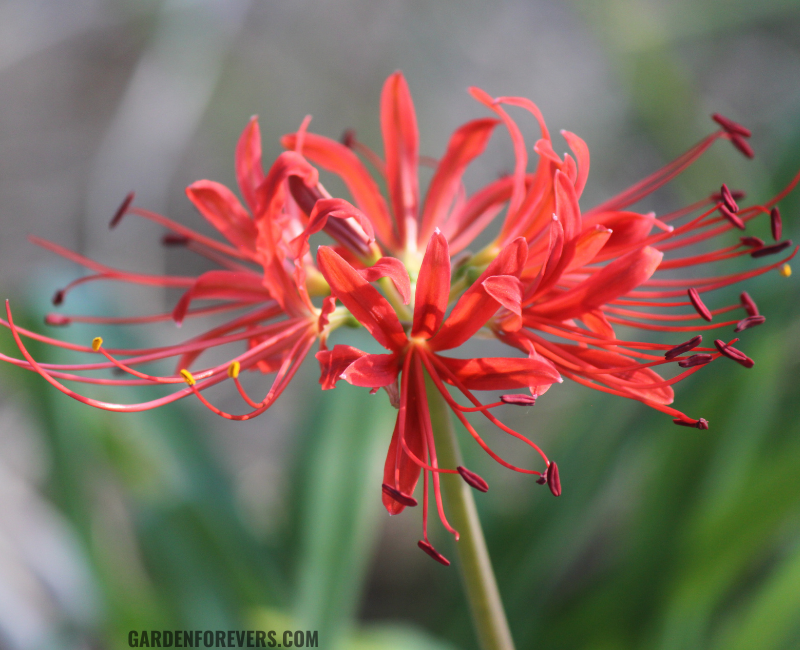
{"x": 664, "y": 538}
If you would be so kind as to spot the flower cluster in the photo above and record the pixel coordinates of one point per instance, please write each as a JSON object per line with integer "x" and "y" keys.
{"x": 552, "y": 284}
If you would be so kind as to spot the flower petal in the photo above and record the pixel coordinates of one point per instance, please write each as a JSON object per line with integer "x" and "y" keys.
{"x": 225, "y": 285}
{"x": 332, "y": 363}
{"x": 604, "y": 359}
{"x": 373, "y": 370}
{"x": 610, "y": 282}
{"x": 581, "y": 151}
{"x": 470, "y": 219}
{"x": 395, "y": 270}
{"x": 323, "y": 210}
{"x": 567, "y": 208}
{"x": 433, "y": 288}
{"x": 363, "y": 300}
{"x": 501, "y": 373}
{"x": 400, "y": 471}
{"x": 334, "y": 157}
{"x": 507, "y": 290}
{"x": 270, "y": 197}
{"x": 627, "y": 228}
{"x": 466, "y": 144}
{"x": 401, "y": 143}
{"x": 249, "y": 172}
{"x": 589, "y": 243}
{"x": 221, "y": 207}
{"x": 476, "y": 306}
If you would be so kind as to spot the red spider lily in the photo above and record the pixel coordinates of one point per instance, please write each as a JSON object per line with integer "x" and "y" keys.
{"x": 260, "y": 267}
{"x": 412, "y": 448}
{"x": 553, "y": 283}
{"x": 585, "y": 271}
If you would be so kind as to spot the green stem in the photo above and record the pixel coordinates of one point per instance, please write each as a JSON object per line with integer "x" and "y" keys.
{"x": 477, "y": 575}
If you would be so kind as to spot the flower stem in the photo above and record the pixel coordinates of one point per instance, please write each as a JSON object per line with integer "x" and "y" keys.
{"x": 477, "y": 575}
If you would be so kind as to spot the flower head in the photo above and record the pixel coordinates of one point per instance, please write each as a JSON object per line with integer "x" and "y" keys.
{"x": 554, "y": 283}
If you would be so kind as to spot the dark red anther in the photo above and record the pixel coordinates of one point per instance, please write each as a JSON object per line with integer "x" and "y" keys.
{"x": 727, "y": 199}
{"x": 769, "y": 250}
{"x": 747, "y": 323}
{"x": 472, "y": 479}
{"x": 730, "y": 216}
{"x": 702, "y": 423}
{"x": 56, "y": 320}
{"x": 775, "y": 223}
{"x": 698, "y": 304}
{"x": 121, "y": 210}
{"x": 737, "y": 195}
{"x": 695, "y": 360}
{"x": 542, "y": 479}
{"x": 174, "y": 239}
{"x": 348, "y": 138}
{"x": 730, "y": 126}
{"x": 553, "y": 480}
{"x": 58, "y": 297}
{"x": 749, "y": 304}
{"x": 754, "y": 242}
{"x": 691, "y": 344}
{"x": 742, "y": 145}
{"x": 398, "y": 496}
{"x": 426, "y": 546}
{"x": 732, "y": 353}
{"x": 518, "y": 399}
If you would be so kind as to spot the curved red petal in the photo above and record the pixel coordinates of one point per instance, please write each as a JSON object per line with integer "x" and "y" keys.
{"x": 334, "y": 157}
{"x": 610, "y": 282}
{"x": 332, "y": 363}
{"x": 363, "y": 300}
{"x": 224, "y": 285}
{"x": 373, "y": 370}
{"x": 501, "y": 373}
{"x": 467, "y": 143}
{"x": 395, "y": 270}
{"x": 222, "y": 209}
{"x": 401, "y": 143}
{"x": 249, "y": 172}
{"x": 433, "y": 288}
{"x": 476, "y": 306}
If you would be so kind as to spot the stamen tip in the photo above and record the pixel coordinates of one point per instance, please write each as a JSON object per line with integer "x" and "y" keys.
{"x": 398, "y": 496}
{"x": 233, "y": 369}
{"x": 97, "y": 342}
{"x": 428, "y": 548}
{"x": 553, "y": 480}
{"x": 121, "y": 210}
{"x": 786, "y": 271}
{"x": 58, "y": 297}
{"x": 348, "y": 138}
{"x": 188, "y": 377}
{"x": 473, "y": 480}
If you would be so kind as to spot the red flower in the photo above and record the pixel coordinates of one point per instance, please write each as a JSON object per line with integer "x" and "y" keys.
{"x": 553, "y": 283}
{"x": 412, "y": 448}
{"x": 261, "y": 267}
{"x": 585, "y": 272}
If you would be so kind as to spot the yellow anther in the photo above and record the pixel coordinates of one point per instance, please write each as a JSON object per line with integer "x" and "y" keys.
{"x": 233, "y": 369}
{"x": 188, "y": 377}
{"x": 96, "y": 343}
{"x": 786, "y": 271}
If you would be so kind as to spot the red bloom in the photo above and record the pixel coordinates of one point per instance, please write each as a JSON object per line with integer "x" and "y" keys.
{"x": 261, "y": 267}
{"x": 412, "y": 448}
{"x": 553, "y": 283}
